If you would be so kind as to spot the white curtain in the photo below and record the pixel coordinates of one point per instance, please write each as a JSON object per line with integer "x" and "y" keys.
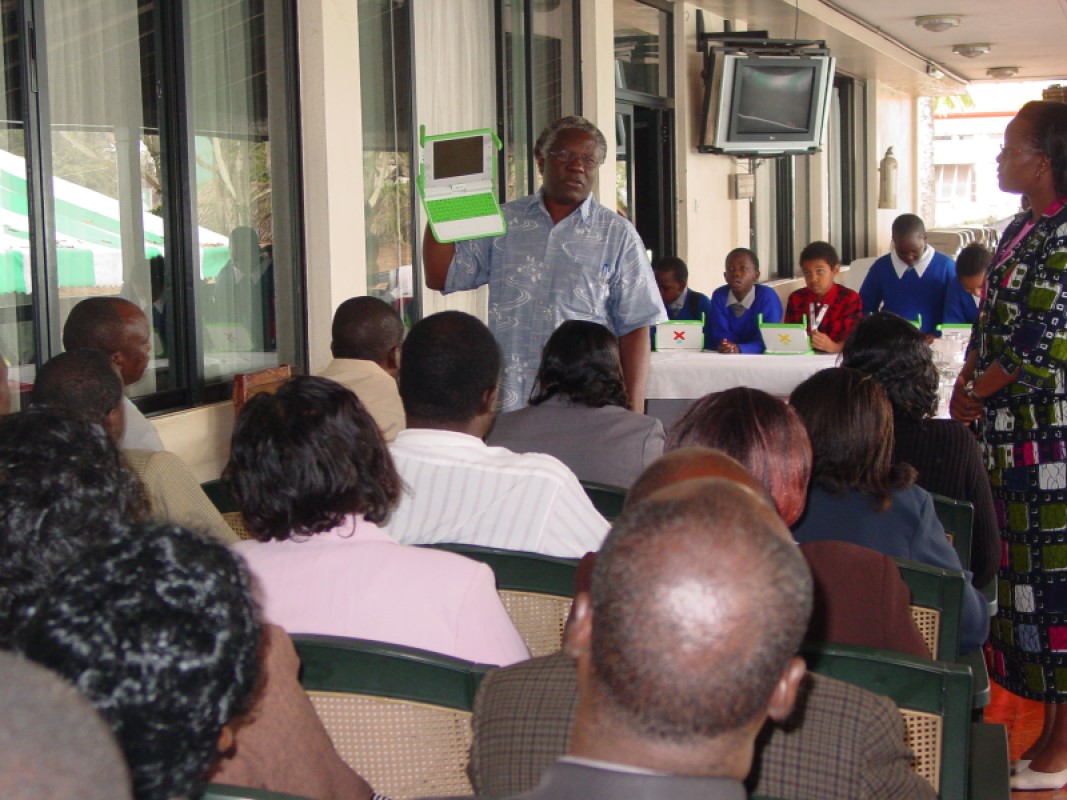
{"x": 455, "y": 75}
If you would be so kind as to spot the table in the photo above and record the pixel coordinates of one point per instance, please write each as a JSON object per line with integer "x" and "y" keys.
{"x": 679, "y": 377}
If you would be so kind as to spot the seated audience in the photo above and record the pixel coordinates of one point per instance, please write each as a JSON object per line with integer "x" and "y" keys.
{"x": 157, "y": 628}
{"x": 830, "y": 309}
{"x": 84, "y": 382}
{"x": 367, "y": 335}
{"x": 53, "y": 744}
{"x": 681, "y": 302}
{"x": 578, "y": 411}
{"x": 737, "y": 306}
{"x": 313, "y": 477}
{"x": 965, "y": 293}
{"x": 841, "y": 741}
{"x": 912, "y": 279}
{"x": 456, "y": 489}
{"x": 866, "y": 603}
{"x": 120, "y": 329}
{"x": 859, "y": 495}
{"x": 945, "y": 453}
{"x": 63, "y": 489}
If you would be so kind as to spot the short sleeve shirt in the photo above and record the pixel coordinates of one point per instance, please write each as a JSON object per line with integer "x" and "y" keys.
{"x": 590, "y": 265}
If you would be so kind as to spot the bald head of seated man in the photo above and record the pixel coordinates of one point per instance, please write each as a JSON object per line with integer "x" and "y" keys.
{"x": 687, "y": 643}
{"x": 120, "y": 329}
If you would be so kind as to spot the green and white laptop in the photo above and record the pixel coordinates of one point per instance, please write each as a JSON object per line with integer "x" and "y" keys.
{"x": 457, "y": 183}
{"x": 780, "y": 338}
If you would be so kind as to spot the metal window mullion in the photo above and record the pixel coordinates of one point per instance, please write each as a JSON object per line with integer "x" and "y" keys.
{"x": 40, "y": 206}
{"x": 178, "y": 149}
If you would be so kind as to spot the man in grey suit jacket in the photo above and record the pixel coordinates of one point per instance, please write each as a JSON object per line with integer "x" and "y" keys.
{"x": 840, "y": 743}
{"x": 684, "y": 648}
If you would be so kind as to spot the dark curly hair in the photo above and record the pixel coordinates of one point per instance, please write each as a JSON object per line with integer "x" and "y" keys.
{"x": 895, "y": 352}
{"x": 305, "y": 457}
{"x": 761, "y": 432}
{"x": 580, "y": 362}
{"x": 820, "y": 251}
{"x": 62, "y": 487}
{"x": 1048, "y": 133}
{"x": 158, "y": 629}
{"x": 850, "y": 424}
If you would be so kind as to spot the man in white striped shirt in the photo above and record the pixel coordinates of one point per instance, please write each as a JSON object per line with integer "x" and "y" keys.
{"x": 457, "y": 489}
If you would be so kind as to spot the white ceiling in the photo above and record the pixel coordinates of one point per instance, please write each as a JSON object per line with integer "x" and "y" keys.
{"x": 879, "y": 38}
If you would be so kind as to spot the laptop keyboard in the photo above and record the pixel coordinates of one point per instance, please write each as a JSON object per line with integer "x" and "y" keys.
{"x": 450, "y": 209}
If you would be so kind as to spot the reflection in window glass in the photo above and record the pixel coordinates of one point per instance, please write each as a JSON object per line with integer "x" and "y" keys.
{"x": 641, "y": 37}
{"x": 237, "y": 70}
{"x": 384, "y": 66}
{"x": 552, "y": 91}
{"x": 17, "y": 343}
{"x": 105, "y": 154}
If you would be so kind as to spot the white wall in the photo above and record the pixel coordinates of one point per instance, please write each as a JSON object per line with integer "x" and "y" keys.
{"x": 713, "y": 224}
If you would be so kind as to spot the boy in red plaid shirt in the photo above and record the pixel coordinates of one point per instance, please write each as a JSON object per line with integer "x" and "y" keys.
{"x": 832, "y": 310}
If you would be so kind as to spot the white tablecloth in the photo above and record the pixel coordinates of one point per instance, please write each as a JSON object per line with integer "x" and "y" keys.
{"x": 681, "y": 375}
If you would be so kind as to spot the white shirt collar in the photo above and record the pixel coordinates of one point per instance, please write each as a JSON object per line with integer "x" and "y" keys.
{"x": 679, "y": 304}
{"x": 608, "y": 765}
{"x": 746, "y": 301}
{"x": 920, "y": 265}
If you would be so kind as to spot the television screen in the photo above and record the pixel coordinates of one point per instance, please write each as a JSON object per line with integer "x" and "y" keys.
{"x": 774, "y": 99}
{"x": 766, "y": 105}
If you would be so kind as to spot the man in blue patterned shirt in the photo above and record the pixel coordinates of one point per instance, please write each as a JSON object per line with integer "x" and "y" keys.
{"x": 564, "y": 256}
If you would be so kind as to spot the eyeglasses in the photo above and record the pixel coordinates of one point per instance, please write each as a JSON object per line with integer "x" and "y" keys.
{"x": 1011, "y": 151}
{"x": 568, "y": 157}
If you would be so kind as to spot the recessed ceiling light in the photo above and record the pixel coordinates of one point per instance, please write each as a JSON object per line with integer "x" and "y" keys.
{"x": 936, "y": 23}
{"x": 1002, "y": 72}
{"x": 971, "y": 50}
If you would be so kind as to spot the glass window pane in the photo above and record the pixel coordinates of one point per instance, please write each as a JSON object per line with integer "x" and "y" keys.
{"x": 551, "y": 35}
{"x": 384, "y": 66}
{"x": 17, "y": 342}
{"x": 237, "y": 110}
{"x": 106, "y": 170}
{"x": 641, "y": 35}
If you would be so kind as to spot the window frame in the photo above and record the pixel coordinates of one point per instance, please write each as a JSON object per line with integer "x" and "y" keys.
{"x": 177, "y": 179}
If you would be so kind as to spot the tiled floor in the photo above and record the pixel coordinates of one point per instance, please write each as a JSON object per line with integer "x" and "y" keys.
{"x": 1023, "y": 719}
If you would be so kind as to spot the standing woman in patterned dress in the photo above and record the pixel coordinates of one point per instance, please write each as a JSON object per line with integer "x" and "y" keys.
{"x": 1015, "y": 382}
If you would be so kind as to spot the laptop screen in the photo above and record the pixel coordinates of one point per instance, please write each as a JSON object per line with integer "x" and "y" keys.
{"x": 456, "y": 157}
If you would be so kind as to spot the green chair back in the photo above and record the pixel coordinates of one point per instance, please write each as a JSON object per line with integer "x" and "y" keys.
{"x": 608, "y": 500}
{"x": 399, "y": 716}
{"x": 219, "y": 791}
{"x": 957, "y": 518}
{"x": 218, "y": 494}
{"x": 934, "y": 699}
{"x": 536, "y": 590}
{"x": 936, "y": 605}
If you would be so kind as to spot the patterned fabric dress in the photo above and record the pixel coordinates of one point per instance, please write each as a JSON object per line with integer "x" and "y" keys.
{"x": 1023, "y": 324}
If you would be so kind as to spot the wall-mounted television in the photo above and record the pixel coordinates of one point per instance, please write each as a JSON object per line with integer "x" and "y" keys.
{"x": 765, "y": 105}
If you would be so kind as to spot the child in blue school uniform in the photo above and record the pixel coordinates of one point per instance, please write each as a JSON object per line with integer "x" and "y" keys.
{"x": 736, "y": 307}
{"x": 912, "y": 279}
{"x": 681, "y": 302}
{"x": 964, "y": 294}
